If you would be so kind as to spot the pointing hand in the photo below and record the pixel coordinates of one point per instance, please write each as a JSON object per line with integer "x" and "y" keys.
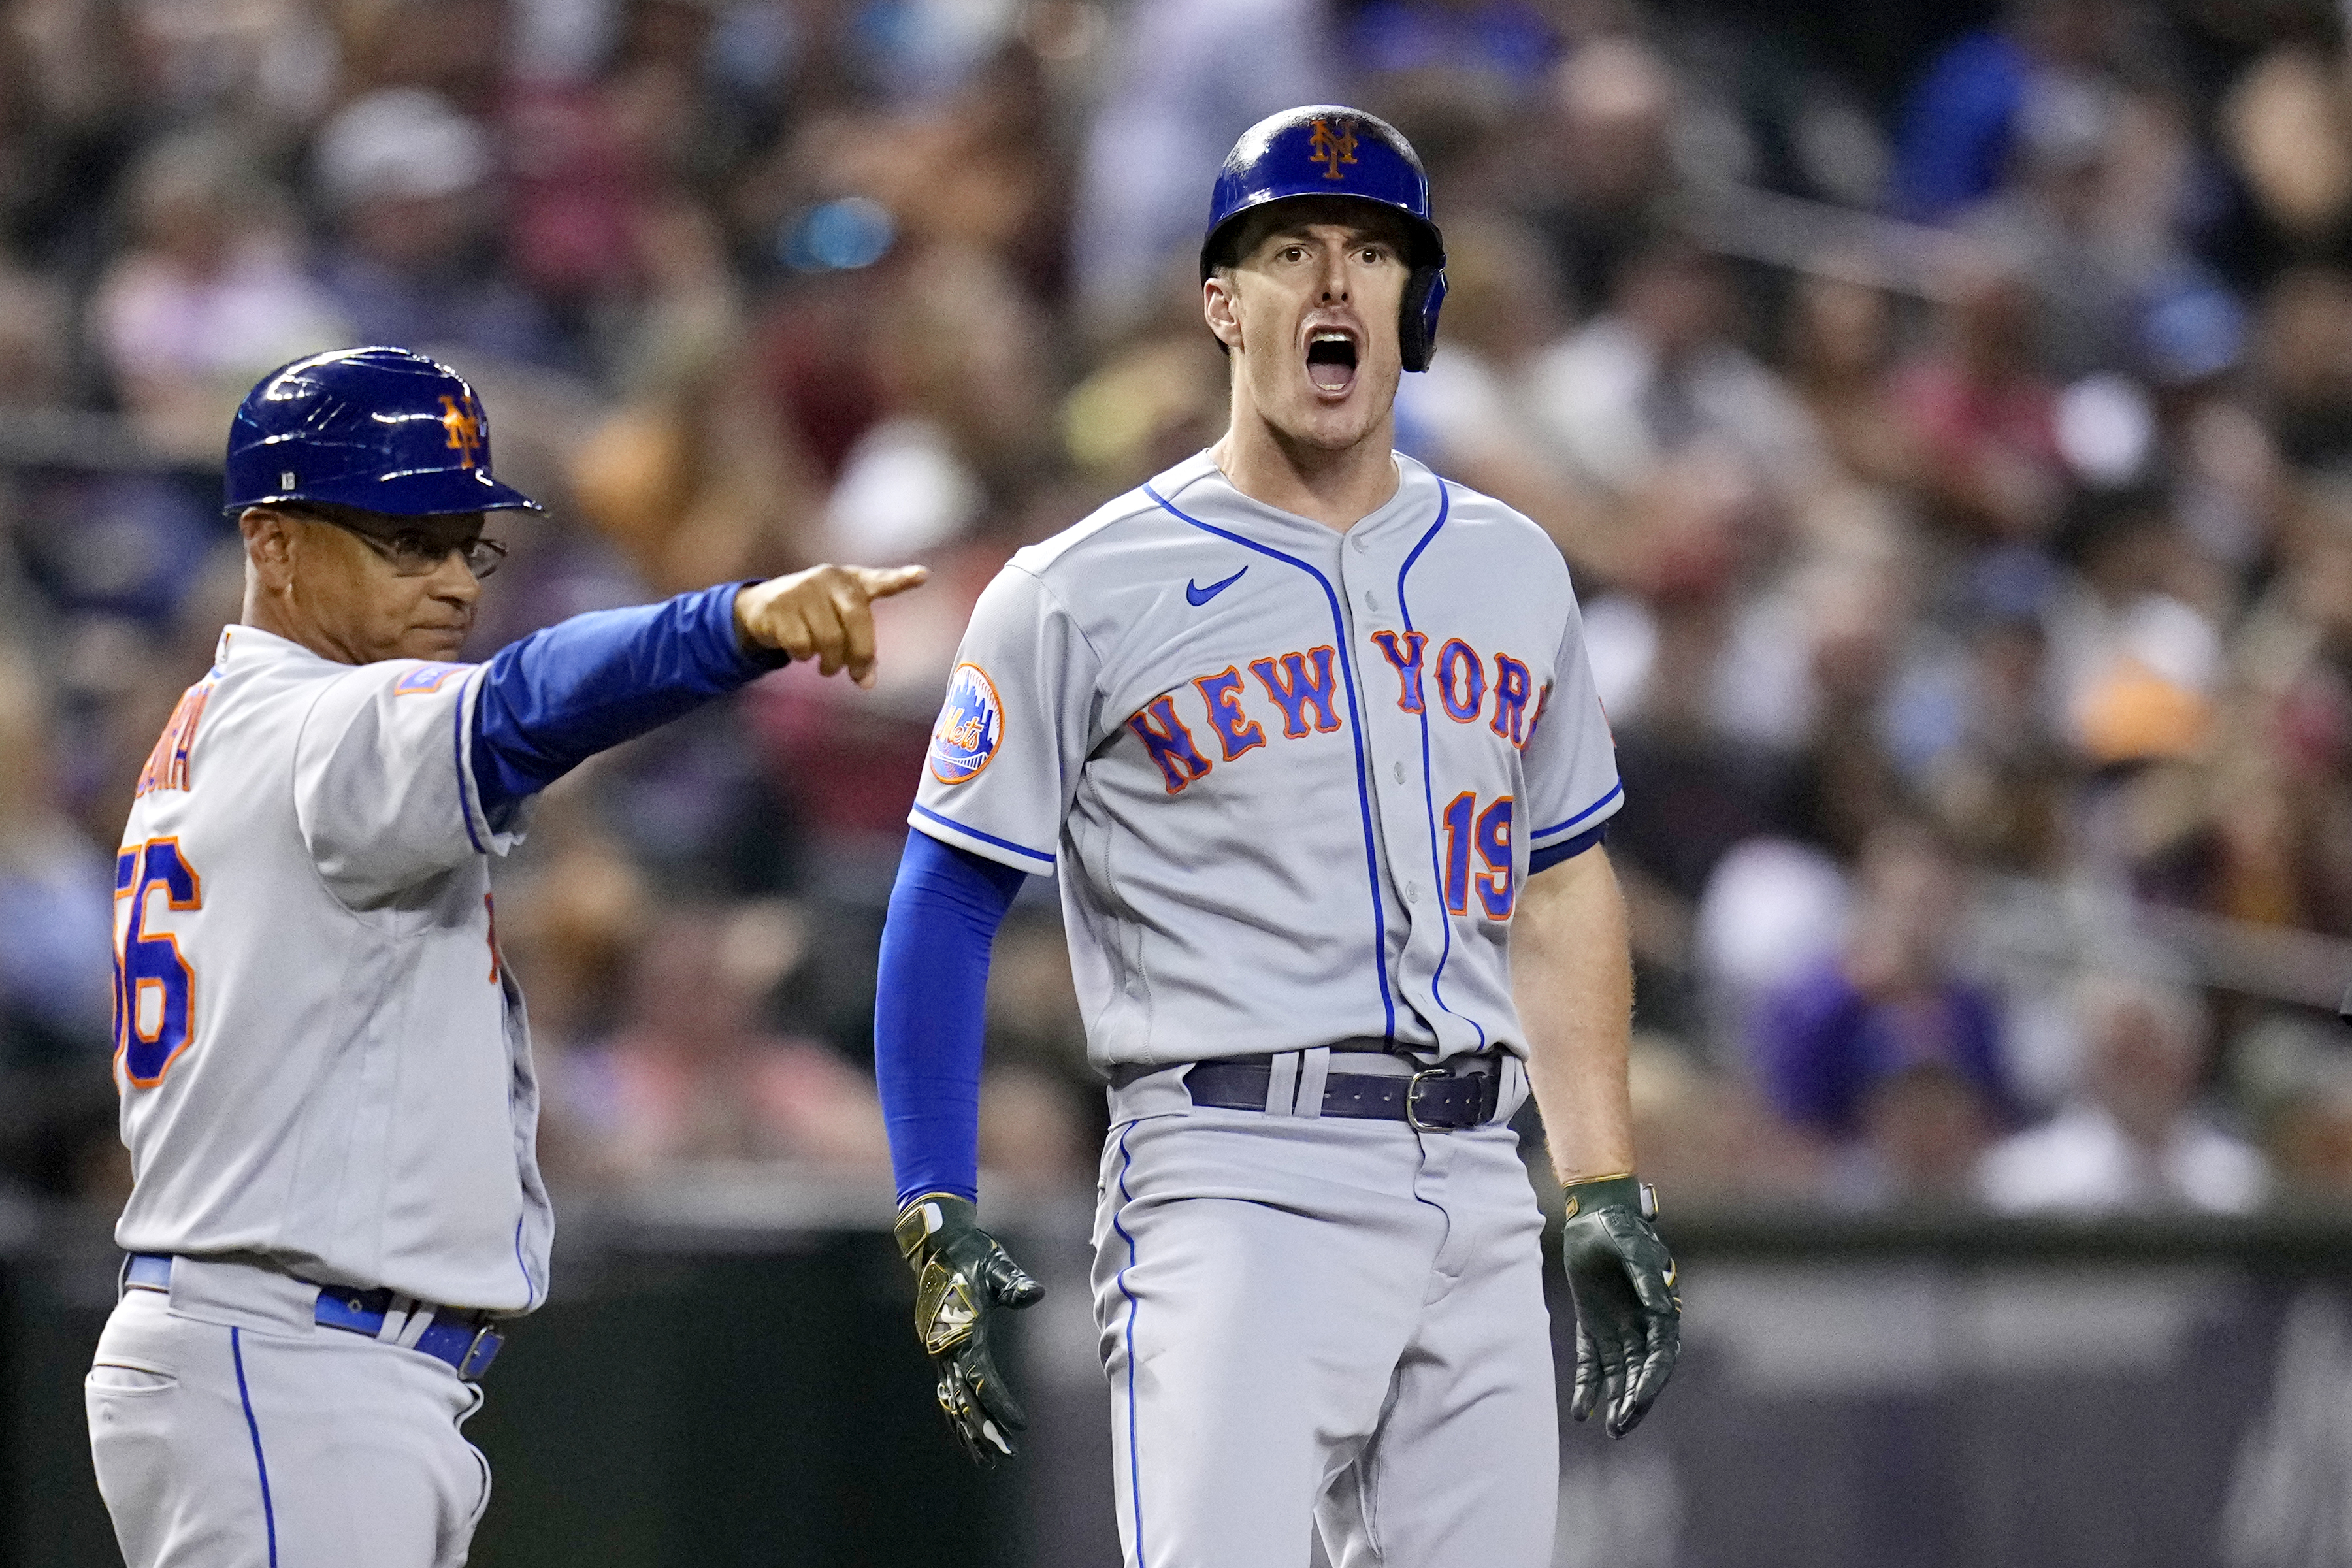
{"x": 824, "y": 613}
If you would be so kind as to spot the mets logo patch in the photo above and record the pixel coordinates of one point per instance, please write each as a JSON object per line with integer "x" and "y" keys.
{"x": 971, "y": 727}
{"x": 426, "y": 677}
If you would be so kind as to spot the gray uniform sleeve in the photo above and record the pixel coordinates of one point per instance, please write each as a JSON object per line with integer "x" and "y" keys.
{"x": 1021, "y": 711}
{"x": 1571, "y": 758}
{"x": 382, "y": 780}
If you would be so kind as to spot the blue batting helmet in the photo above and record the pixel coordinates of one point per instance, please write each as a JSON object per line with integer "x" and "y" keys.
{"x": 1330, "y": 150}
{"x": 381, "y": 429}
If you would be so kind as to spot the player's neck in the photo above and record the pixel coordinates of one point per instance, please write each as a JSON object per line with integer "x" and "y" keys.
{"x": 1334, "y": 487}
{"x": 266, "y": 613}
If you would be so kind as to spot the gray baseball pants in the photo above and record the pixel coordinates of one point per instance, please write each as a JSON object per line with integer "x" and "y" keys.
{"x": 1312, "y": 1324}
{"x": 230, "y": 1431}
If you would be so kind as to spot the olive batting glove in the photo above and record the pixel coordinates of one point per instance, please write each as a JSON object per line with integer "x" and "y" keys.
{"x": 962, "y": 1277}
{"x": 1629, "y": 1321}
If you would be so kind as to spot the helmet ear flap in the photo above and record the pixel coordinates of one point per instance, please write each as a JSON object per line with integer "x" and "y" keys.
{"x": 1424, "y": 292}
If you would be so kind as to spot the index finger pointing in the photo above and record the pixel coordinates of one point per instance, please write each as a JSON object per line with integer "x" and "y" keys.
{"x": 881, "y": 582}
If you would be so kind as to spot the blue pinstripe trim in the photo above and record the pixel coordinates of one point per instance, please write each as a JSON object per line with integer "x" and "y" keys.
{"x": 457, "y": 752}
{"x": 269, "y": 1513}
{"x": 530, "y": 1289}
{"x": 1134, "y": 1464}
{"x": 1355, "y": 736}
{"x": 1615, "y": 791}
{"x": 921, "y": 810}
{"x": 1428, "y": 781}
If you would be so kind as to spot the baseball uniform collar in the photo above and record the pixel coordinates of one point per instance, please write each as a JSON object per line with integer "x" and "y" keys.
{"x": 1413, "y": 505}
{"x": 252, "y": 644}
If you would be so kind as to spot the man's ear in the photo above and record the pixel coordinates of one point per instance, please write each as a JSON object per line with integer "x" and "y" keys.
{"x": 1217, "y": 307}
{"x": 268, "y": 545}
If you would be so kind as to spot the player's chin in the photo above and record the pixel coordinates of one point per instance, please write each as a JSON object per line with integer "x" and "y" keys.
{"x": 1335, "y": 424}
{"x": 439, "y": 643}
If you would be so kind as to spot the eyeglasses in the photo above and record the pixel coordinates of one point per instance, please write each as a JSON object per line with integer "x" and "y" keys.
{"x": 412, "y": 553}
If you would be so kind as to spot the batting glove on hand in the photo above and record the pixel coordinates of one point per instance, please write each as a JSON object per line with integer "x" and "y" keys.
{"x": 1629, "y": 1321}
{"x": 961, "y": 1275}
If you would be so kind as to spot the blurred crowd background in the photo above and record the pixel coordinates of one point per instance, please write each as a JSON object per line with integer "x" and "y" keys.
{"x": 1945, "y": 411}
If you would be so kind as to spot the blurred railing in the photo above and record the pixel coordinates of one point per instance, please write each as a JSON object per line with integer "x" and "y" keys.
{"x": 2083, "y": 926}
{"x": 1828, "y": 241}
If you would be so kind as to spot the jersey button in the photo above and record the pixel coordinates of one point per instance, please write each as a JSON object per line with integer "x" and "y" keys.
{"x": 1370, "y": 602}
{"x": 1413, "y": 892}
{"x": 1400, "y": 772}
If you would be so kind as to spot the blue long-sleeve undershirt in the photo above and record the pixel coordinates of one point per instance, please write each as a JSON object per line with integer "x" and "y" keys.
{"x": 556, "y": 698}
{"x": 929, "y": 1009}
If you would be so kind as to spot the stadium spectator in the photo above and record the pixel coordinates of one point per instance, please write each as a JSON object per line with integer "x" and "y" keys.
{"x": 1188, "y": 76}
{"x": 55, "y": 933}
{"x": 1977, "y": 731}
{"x": 2282, "y": 125}
{"x": 1661, "y": 373}
{"x": 2055, "y": 225}
{"x": 2256, "y": 826}
{"x": 2135, "y": 1139}
{"x": 1958, "y": 124}
{"x": 1604, "y": 188}
{"x": 406, "y": 179}
{"x": 1839, "y": 1051}
{"x": 1841, "y": 342}
{"x": 691, "y": 1074}
{"x": 209, "y": 298}
{"x": 2305, "y": 351}
{"x": 1983, "y": 412}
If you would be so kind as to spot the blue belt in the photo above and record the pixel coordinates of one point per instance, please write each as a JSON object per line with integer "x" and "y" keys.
{"x": 463, "y": 1339}
{"x": 1435, "y": 1099}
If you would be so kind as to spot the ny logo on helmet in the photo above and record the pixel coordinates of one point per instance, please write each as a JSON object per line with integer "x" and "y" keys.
{"x": 1332, "y": 148}
{"x": 464, "y": 427}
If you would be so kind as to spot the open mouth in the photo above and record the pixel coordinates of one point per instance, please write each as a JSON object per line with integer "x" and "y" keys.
{"x": 1331, "y": 361}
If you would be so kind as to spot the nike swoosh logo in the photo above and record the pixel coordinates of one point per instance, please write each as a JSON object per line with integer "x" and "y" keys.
{"x": 1197, "y": 595}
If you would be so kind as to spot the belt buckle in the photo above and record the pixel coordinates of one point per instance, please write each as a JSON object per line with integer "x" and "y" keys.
{"x": 487, "y": 1342}
{"x": 1411, "y": 1098}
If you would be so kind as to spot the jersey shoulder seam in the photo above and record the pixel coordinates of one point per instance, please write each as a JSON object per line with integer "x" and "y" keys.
{"x": 1063, "y": 605}
{"x": 1527, "y": 530}
{"x": 1135, "y": 506}
{"x": 1520, "y": 520}
{"x": 294, "y": 770}
{"x": 1050, "y": 553}
{"x": 294, "y": 797}
{"x": 1172, "y": 491}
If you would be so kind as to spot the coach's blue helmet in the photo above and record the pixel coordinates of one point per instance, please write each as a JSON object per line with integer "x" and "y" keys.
{"x": 1330, "y": 150}
{"x": 381, "y": 429}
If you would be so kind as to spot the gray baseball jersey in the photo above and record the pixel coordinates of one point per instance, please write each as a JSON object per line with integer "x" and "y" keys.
{"x": 322, "y": 1059}
{"x": 1290, "y": 777}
